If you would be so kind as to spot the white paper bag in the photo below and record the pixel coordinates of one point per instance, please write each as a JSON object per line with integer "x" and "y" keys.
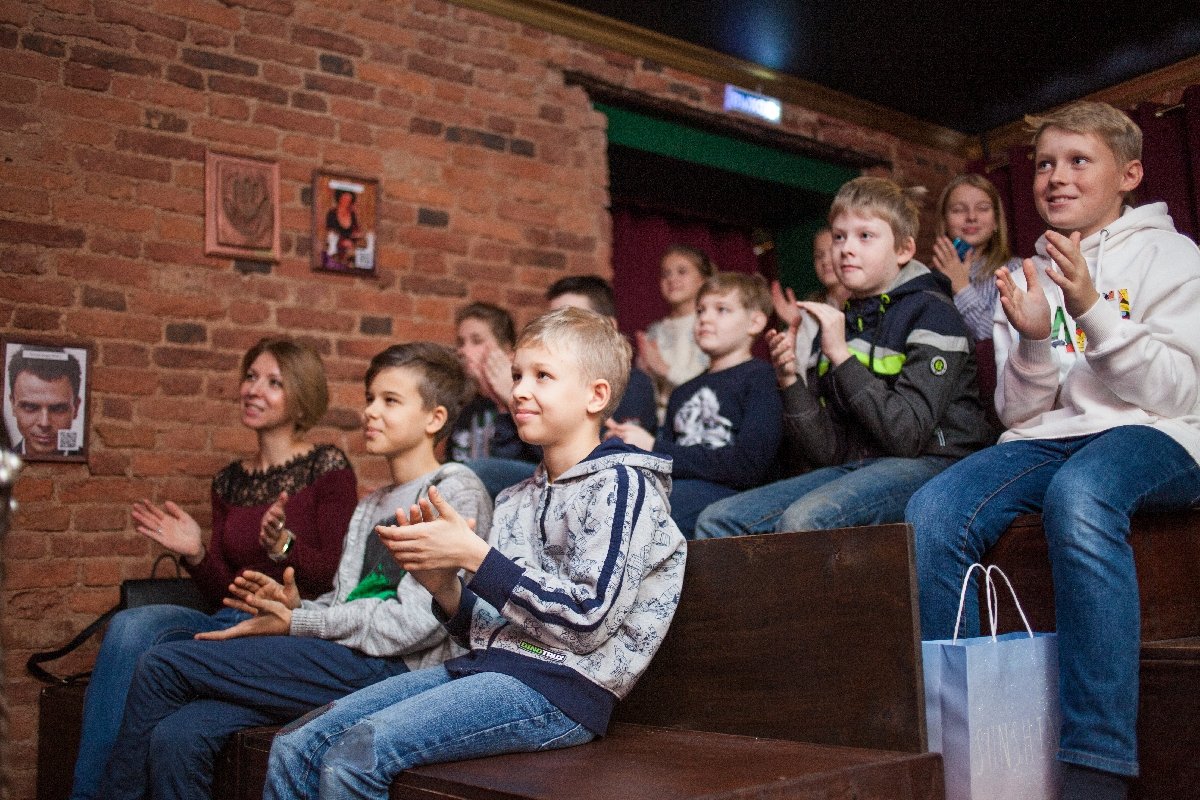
{"x": 992, "y": 708}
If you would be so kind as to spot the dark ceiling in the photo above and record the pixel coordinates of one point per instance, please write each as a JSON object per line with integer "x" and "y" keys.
{"x": 970, "y": 67}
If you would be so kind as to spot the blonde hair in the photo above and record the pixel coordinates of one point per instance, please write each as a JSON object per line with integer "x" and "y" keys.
{"x": 899, "y": 207}
{"x": 303, "y": 374}
{"x": 997, "y": 251}
{"x": 589, "y": 338}
{"x": 752, "y": 290}
{"x": 1112, "y": 126}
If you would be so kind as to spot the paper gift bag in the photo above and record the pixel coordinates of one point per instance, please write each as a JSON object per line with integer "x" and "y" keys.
{"x": 992, "y": 709}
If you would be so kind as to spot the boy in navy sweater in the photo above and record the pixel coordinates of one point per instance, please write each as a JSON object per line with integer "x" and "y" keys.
{"x": 722, "y": 427}
{"x": 566, "y": 604}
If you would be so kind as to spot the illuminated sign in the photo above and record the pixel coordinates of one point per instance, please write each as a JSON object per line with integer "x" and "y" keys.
{"x": 744, "y": 101}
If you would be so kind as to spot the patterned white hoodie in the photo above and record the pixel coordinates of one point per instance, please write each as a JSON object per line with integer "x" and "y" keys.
{"x": 581, "y": 583}
{"x": 1132, "y": 359}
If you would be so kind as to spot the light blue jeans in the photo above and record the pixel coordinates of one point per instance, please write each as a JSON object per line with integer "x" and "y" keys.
{"x": 130, "y": 634}
{"x": 873, "y": 491}
{"x": 354, "y": 747}
{"x": 1086, "y": 488}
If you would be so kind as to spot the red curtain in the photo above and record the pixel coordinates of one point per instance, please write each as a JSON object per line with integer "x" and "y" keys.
{"x": 1170, "y": 155}
{"x": 639, "y": 240}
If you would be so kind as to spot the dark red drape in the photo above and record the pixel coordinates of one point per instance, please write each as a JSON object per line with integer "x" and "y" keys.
{"x": 639, "y": 240}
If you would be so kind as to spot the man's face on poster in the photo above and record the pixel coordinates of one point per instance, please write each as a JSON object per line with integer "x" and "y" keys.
{"x": 42, "y": 408}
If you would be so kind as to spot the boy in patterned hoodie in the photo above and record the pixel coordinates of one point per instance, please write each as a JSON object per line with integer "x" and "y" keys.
{"x": 569, "y": 598}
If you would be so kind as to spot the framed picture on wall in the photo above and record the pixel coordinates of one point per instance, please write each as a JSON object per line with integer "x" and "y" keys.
{"x": 345, "y": 211}
{"x": 46, "y": 405}
{"x": 241, "y": 198}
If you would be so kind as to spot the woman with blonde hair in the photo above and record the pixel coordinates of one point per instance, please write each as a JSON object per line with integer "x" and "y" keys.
{"x": 288, "y": 505}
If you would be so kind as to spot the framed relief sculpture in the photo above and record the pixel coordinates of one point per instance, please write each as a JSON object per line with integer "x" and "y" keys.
{"x": 46, "y": 399}
{"x": 345, "y": 210}
{"x": 241, "y": 198}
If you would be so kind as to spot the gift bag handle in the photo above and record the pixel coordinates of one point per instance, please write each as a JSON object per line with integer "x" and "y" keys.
{"x": 992, "y": 599}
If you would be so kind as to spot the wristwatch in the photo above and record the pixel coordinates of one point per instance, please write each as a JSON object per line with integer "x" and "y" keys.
{"x": 283, "y": 551}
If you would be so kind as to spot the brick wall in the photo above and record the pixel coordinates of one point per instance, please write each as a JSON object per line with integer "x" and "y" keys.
{"x": 493, "y": 182}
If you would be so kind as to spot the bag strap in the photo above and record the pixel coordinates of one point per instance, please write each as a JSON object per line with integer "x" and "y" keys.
{"x": 992, "y": 599}
{"x": 32, "y": 664}
{"x": 169, "y": 557}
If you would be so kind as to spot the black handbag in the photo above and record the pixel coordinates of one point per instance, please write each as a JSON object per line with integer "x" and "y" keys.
{"x": 176, "y": 591}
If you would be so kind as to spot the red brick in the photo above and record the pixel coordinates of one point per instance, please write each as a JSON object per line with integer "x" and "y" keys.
{"x": 209, "y": 12}
{"x": 162, "y": 145}
{"x": 245, "y": 88}
{"x": 40, "y": 234}
{"x": 40, "y": 292}
{"x": 24, "y": 544}
{"x": 109, "y": 11}
{"x": 36, "y": 319}
{"x": 108, "y": 463}
{"x": 326, "y": 40}
{"x": 269, "y": 49}
{"x": 105, "y": 324}
{"x": 40, "y": 518}
{"x": 290, "y": 120}
{"x": 253, "y": 137}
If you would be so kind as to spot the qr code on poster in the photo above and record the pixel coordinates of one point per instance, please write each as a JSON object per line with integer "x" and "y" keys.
{"x": 68, "y": 440}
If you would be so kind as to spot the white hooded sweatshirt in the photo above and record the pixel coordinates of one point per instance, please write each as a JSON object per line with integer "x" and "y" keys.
{"x": 1133, "y": 358}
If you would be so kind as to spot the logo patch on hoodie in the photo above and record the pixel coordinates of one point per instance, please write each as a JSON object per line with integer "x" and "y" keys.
{"x": 937, "y": 365}
{"x": 541, "y": 652}
{"x": 1122, "y": 298}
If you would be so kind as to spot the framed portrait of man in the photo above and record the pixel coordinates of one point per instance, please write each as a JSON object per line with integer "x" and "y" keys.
{"x": 344, "y": 218}
{"x": 45, "y": 404}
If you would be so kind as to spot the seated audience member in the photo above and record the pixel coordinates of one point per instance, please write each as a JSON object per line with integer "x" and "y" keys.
{"x": 723, "y": 427}
{"x": 562, "y": 611}
{"x": 970, "y": 211}
{"x": 832, "y": 294}
{"x": 1098, "y": 385}
{"x": 890, "y": 402}
{"x": 484, "y": 437}
{"x": 285, "y": 506}
{"x": 668, "y": 351}
{"x": 637, "y": 403}
{"x": 44, "y": 386}
{"x": 189, "y": 697}
{"x": 596, "y": 294}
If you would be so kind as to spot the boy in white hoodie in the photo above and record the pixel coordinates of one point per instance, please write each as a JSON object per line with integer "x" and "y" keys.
{"x": 1097, "y": 383}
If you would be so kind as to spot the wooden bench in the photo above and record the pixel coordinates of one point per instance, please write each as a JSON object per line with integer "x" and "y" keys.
{"x": 792, "y": 668}
{"x": 1166, "y": 550}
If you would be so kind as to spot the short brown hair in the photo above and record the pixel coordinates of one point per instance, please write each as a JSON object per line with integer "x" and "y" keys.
{"x": 498, "y": 320}
{"x": 303, "y": 375}
{"x": 443, "y": 382}
{"x": 751, "y": 290}
{"x": 899, "y": 207}
{"x": 591, "y": 339}
{"x": 1112, "y": 126}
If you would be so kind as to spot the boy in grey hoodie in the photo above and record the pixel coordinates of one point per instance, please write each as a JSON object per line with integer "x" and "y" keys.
{"x": 189, "y": 697}
{"x": 569, "y": 599}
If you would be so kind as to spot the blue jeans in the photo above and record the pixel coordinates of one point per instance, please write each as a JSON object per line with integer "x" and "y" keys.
{"x": 498, "y": 474}
{"x": 189, "y": 697}
{"x": 1086, "y": 488}
{"x": 129, "y": 634}
{"x": 873, "y": 491}
{"x": 356, "y": 746}
{"x": 689, "y": 498}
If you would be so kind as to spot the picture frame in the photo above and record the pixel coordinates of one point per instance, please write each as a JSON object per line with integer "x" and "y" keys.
{"x": 46, "y": 403}
{"x": 344, "y": 223}
{"x": 242, "y": 207}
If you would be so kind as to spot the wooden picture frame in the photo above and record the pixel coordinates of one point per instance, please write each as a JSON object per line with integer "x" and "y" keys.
{"x": 46, "y": 408}
{"x": 344, "y": 223}
{"x": 241, "y": 201}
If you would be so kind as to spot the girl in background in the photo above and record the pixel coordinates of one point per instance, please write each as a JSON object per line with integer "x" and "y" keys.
{"x": 667, "y": 349}
{"x": 969, "y": 210}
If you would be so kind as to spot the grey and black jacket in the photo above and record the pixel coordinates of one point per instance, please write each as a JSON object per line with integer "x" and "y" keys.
{"x": 908, "y": 391}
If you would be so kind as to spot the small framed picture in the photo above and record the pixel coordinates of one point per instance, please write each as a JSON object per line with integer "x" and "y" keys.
{"x": 241, "y": 198}
{"x": 345, "y": 210}
{"x": 46, "y": 399}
